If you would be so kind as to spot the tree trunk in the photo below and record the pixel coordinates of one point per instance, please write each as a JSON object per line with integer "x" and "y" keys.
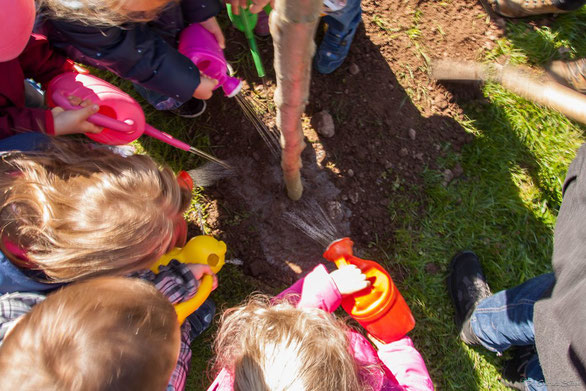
{"x": 293, "y": 25}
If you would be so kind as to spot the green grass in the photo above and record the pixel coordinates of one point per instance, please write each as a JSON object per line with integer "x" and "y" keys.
{"x": 504, "y": 207}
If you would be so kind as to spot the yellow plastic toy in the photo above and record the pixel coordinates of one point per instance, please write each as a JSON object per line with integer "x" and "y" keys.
{"x": 201, "y": 249}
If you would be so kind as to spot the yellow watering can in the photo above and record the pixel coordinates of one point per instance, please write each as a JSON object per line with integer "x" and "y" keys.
{"x": 204, "y": 250}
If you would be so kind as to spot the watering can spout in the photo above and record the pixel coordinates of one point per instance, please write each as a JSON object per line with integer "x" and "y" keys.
{"x": 232, "y": 86}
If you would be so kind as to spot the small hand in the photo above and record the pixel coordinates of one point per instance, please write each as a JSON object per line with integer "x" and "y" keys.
{"x": 349, "y": 279}
{"x": 213, "y": 27}
{"x": 74, "y": 121}
{"x": 255, "y": 7}
{"x": 205, "y": 88}
{"x": 199, "y": 270}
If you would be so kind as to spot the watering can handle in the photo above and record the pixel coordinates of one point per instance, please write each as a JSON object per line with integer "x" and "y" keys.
{"x": 186, "y": 308}
{"x": 98, "y": 119}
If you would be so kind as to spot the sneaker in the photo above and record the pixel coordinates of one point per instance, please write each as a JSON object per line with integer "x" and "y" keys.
{"x": 514, "y": 372}
{"x": 467, "y": 287}
{"x": 523, "y": 8}
{"x": 333, "y": 51}
{"x": 571, "y": 73}
{"x": 190, "y": 109}
{"x": 262, "y": 25}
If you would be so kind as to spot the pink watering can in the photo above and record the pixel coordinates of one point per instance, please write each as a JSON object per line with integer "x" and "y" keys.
{"x": 121, "y": 116}
{"x": 201, "y": 47}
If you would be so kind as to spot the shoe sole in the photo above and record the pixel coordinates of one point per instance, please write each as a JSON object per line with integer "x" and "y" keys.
{"x": 205, "y": 105}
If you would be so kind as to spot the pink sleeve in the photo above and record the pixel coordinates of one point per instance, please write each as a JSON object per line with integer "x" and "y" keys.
{"x": 406, "y": 364}
{"x": 316, "y": 290}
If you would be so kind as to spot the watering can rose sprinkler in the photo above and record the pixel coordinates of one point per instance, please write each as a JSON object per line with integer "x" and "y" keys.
{"x": 203, "y": 250}
{"x": 379, "y": 308}
{"x": 120, "y": 115}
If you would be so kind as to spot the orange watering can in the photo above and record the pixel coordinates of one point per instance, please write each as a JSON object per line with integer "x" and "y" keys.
{"x": 380, "y": 308}
{"x": 203, "y": 250}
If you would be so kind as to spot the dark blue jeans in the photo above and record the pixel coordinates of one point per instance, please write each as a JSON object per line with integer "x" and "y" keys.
{"x": 505, "y": 319}
{"x": 157, "y": 100}
{"x": 24, "y": 142}
{"x": 202, "y": 318}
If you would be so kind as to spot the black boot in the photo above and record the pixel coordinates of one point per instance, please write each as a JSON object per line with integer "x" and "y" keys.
{"x": 467, "y": 286}
{"x": 514, "y": 372}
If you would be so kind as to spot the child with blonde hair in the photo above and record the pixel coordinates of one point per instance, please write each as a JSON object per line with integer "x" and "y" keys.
{"x": 294, "y": 342}
{"x": 73, "y": 211}
{"x": 137, "y": 40}
{"x": 107, "y": 333}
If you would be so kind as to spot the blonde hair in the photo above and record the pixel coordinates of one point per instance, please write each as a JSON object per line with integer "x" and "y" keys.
{"x": 109, "y": 333}
{"x": 100, "y": 13}
{"x": 80, "y": 211}
{"x": 278, "y": 347}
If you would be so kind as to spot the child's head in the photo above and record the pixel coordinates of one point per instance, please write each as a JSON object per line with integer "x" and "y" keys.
{"x": 105, "y": 12}
{"x": 109, "y": 333}
{"x": 279, "y": 347}
{"x": 80, "y": 212}
{"x": 16, "y": 25}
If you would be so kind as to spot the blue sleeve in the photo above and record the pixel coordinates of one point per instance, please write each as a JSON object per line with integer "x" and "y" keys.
{"x": 136, "y": 53}
{"x": 195, "y": 11}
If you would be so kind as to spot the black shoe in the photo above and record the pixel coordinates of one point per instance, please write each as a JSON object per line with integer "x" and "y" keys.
{"x": 514, "y": 372}
{"x": 190, "y": 109}
{"x": 467, "y": 286}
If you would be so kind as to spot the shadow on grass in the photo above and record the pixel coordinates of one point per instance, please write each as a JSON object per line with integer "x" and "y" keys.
{"x": 373, "y": 116}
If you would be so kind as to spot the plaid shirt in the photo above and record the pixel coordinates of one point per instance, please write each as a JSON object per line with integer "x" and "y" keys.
{"x": 13, "y": 306}
{"x": 175, "y": 281}
{"x": 178, "y": 284}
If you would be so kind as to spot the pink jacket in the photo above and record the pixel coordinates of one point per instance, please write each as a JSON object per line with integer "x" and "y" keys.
{"x": 403, "y": 365}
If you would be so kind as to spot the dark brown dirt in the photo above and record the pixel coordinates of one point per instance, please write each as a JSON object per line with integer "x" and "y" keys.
{"x": 373, "y": 152}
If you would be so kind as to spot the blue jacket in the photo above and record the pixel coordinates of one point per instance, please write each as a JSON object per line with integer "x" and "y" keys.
{"x": 144, "y": 53}
{"x": 12, "y": 279}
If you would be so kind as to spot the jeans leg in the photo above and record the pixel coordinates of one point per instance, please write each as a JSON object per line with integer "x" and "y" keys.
{"x": 157, "y": 100}
{"x": 534, "y": 374}
{"x": 335, "y": 46}
{"x": 24, "y": 142}
{"x": 202, "y": 318}
{"x": 345, "y": 20}
{"x": 506, "y": 318}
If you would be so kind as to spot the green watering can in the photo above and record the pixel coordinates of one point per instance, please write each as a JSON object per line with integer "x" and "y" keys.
{"x": 245, "y": 21}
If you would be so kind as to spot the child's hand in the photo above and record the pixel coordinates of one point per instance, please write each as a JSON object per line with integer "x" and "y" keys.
{"x": 349, "y": 279}
{"x": 255, "y": 7}
{"x": 199, "y": 270}
{"x": 213, "y": 27}
{"x": 74, "y": 121}
{"x": 205, "y": 88}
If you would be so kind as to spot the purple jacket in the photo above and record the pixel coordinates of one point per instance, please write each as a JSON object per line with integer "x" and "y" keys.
{"x": 403, "y": 365}
{"x": 144, "y": 53}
